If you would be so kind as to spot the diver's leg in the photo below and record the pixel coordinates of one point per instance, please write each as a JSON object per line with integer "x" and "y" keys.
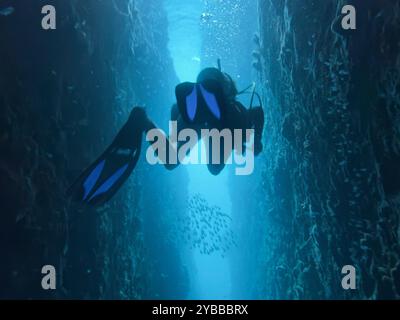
{"x": 175, "y": 115}
{"x": 216, "y": 168}
{"x": 171, "y": 151}
{"x": 255, "y": 118}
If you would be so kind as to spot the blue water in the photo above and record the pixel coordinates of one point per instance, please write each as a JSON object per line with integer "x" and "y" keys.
{"x": 184, "y": 35}
{"x": 211, "y": 277}
{"x": 200, "y": 32}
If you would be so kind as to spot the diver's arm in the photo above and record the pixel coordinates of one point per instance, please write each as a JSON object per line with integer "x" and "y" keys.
{"x": 256, "y": 122}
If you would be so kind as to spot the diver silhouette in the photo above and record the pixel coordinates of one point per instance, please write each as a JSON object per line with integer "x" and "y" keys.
{"x": 210, "y": 103}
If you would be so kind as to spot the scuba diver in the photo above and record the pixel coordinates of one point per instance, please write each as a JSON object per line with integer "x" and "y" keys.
{"x": 210, "y": 103}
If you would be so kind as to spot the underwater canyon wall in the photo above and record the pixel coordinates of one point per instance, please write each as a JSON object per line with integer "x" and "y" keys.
{"x": 64, "y": 94}
{"x": 332, "y": 176}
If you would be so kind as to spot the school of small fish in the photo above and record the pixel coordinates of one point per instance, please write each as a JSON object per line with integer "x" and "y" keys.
{"x": 206, "y": 228}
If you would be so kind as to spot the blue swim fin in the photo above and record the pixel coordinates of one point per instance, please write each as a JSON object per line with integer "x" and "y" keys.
{"x": 206, "y": 96}
{"x": 101, "y": 180}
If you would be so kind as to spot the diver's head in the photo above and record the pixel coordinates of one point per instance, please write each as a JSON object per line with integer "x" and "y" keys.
{"x": 210, "y": 73}
{"x": 228, "y": 85}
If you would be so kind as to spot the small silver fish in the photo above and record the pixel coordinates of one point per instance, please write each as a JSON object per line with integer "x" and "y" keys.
{"x": 7, "y": 11}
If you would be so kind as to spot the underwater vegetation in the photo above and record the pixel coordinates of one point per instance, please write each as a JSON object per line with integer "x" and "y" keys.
{"x": 331, "y": 178}
{"x": 62, "y": 98}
